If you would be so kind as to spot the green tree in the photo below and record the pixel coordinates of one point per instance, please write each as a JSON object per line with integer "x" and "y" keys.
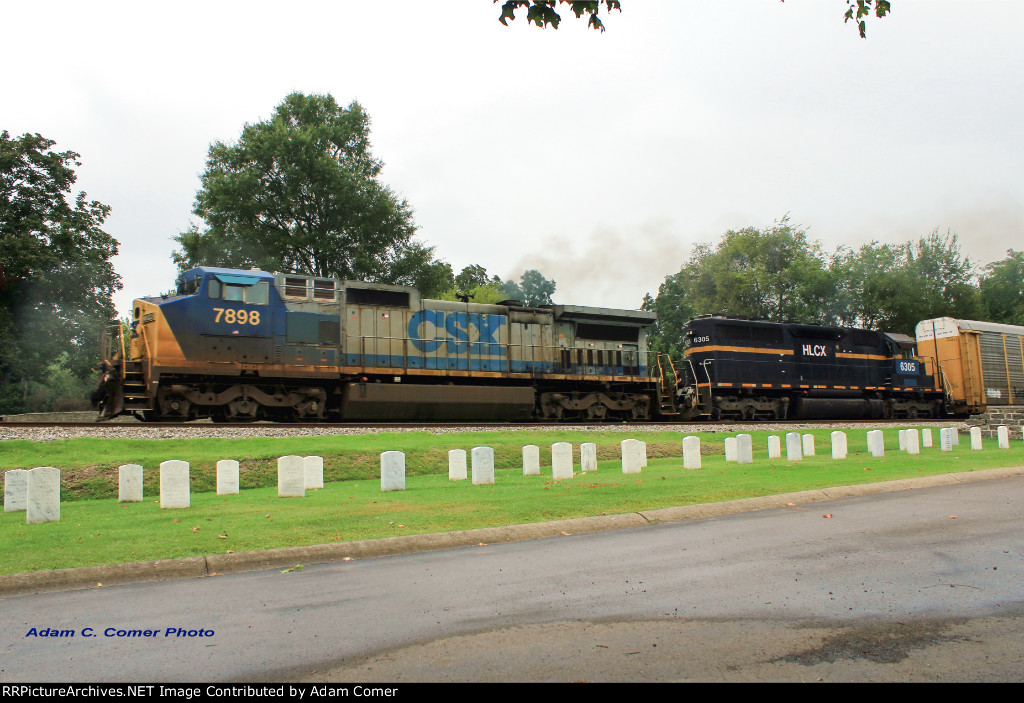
{"x": 872, "y": 283}
{"x": 542, "y": 12}
{"x": 1002, "y": 289}
{"x": 300, "y": 193}
{"x": 892, "y": 287}
{"x": 674, "y": 310}
{"x": 474, "y": 276}
{"x": 56, "y": 275}
{"x": 532, "y": 289}
{"x": 537, "y": 290}
{"x": 765, "y": 274}
{"x": 488, "y": 294}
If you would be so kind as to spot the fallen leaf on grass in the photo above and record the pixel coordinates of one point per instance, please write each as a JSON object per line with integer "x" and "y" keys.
{"x": 196, "y": 528}
{"x": 222, "y": 536}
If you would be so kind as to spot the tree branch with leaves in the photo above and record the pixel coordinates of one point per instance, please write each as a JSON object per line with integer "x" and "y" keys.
{"x": 542, "y": 12}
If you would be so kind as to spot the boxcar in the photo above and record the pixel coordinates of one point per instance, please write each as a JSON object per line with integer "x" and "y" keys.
{"x": 980, "y": 362}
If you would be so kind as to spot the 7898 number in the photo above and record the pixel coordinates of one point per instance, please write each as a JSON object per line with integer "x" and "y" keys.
{"x": 232, "y": 316}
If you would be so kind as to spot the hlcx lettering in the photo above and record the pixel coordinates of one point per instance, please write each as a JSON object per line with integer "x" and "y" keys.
{"x": 814, "y": 350}
{"x": 429, "y": 329}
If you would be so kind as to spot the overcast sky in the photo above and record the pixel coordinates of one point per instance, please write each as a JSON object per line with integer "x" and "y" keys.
{"x": 600, "y": 159}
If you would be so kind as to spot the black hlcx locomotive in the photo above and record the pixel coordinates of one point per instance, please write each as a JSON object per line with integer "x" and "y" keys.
{"x": 746, "y": 369}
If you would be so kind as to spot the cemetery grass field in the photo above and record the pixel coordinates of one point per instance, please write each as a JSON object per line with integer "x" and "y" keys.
{"x": 95, "y": 529}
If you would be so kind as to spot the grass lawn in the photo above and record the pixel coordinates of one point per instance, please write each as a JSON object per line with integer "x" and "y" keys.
{"x": 95, "y": 529}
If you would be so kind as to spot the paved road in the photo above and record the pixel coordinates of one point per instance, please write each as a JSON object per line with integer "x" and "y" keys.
{"x": 919, "y": 585}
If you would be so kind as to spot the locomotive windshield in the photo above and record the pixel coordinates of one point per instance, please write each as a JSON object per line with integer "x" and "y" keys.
{"x": 190, "y": 286}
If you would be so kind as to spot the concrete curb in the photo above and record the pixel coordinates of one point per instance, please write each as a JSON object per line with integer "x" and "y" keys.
{"x": 215, "y": 564}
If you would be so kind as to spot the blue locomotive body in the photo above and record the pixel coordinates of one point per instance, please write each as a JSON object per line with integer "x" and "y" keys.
{"x": 241, "y": 345}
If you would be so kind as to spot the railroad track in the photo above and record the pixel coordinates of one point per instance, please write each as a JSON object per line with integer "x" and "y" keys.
{"x": 725, "y": 424}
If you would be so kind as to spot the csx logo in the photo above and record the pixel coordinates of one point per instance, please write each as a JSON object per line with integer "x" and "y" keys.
{"x": 429, "y": 329}
{"x": 814, "y": 350}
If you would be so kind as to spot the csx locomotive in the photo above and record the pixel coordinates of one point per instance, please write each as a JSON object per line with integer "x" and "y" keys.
{"x": 239, "y": 346}
{"x": 236, "y": 345}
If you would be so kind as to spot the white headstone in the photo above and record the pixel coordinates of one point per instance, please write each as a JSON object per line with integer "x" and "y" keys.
{"x": 691, "y": 452}
{"x": 227, "y": 477}
{"x": 313, "y": 470}
{"x": 42, "y": 495}
{"x": 588, "y": 456}
{"x": 457, "y": 467}
{"x": 793, "y": 442}
{"x": 975, "y": 438}
{"x": 291, "y": 477}
{"x": 632, "y": 456}
{"x": 954, "y": 436}
{"x": 392, "y": 471}
{"x": 129, "y": 483}
{"x": 731, "y": 450}
{"x": 175, "y": 491}
{"x": 774, "y": 447}
{"x": 808, "y": 444}
{"x": 903, "y": 440}
{"x": 926, "y": 437}
{"x": 561, "y": 460}
{"x": 15, "y": 488}
{"x": 946, "y": 439}
{"x": 1003, "y": 434}
{"x": 483, "y": 465}
{"x": 839, "y": 446}
{"x": 744, "y": 449}
{"x": 876, "y": 443}
{"x": 913, "y": 442}
{"x": 531, "y": 460}
{"x": 643, "y": 460}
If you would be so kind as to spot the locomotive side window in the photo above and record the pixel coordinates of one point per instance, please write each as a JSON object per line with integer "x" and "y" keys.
{"x": 190, "y": 286}
{"x": 256, "y": 294}
{"x": 234, "y": 293}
